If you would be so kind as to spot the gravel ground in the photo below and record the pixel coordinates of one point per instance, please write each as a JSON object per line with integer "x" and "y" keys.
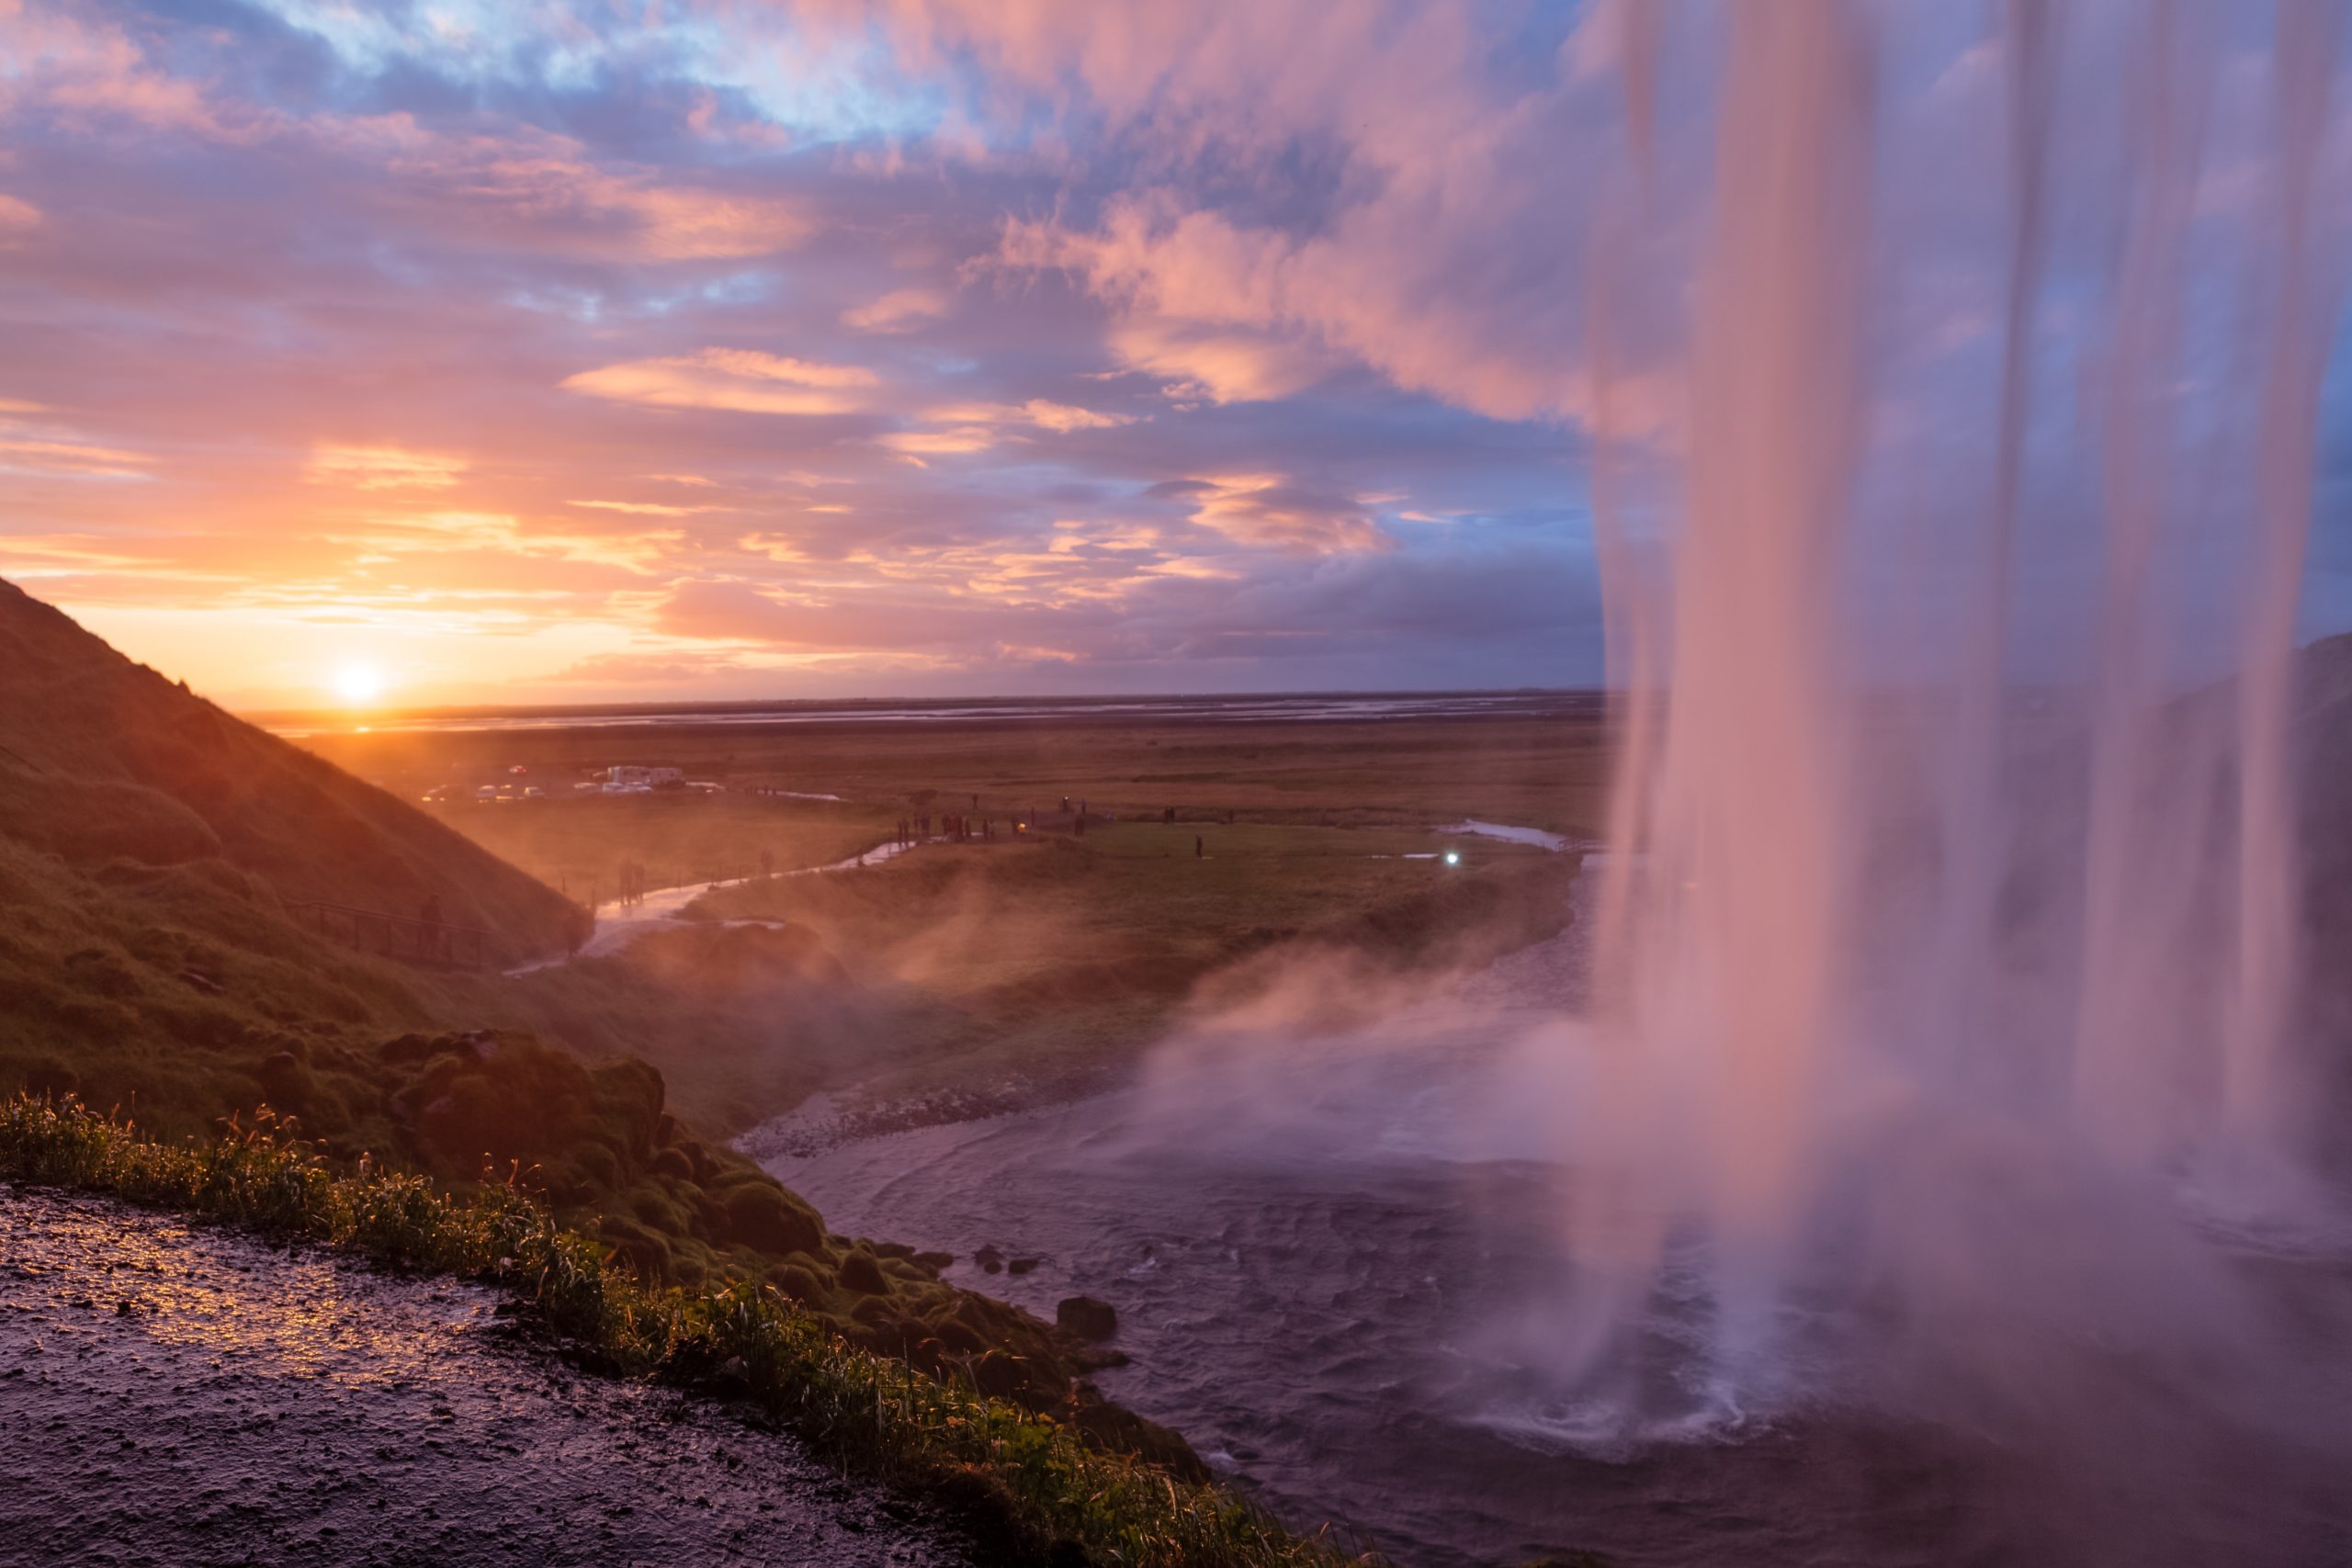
{"x": 177, "y": 1395}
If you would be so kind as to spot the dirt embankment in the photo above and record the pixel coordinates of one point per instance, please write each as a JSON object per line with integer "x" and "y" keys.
{"x": 176, "y": 1395}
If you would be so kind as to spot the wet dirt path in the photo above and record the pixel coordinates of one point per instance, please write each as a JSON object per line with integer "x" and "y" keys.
{"x": 174, "y": 1394}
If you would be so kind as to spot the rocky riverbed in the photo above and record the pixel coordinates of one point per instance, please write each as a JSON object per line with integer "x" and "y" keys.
{"x": 172, "y": 1394}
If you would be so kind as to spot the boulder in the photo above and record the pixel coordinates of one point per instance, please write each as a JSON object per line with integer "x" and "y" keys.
{"x": 798, "y": 1282}
{"x": 767, "y": 1217}
{"x": 1086, "y": 1317}
{"x": 1000, "y": 1375}
{"x": 862, "y": 1271}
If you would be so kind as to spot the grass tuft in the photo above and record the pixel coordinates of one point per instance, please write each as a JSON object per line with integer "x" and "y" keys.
{"x": 1049, "y": 1487}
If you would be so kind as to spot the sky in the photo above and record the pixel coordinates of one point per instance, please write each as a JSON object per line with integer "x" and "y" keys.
{"x": 464, "y": 351}
{"x": 475, "y": 352}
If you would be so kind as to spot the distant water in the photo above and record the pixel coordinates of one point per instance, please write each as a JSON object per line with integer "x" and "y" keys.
{"x": 1256, "y": 709}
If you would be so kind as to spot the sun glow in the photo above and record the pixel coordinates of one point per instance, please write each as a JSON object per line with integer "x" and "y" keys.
{"x": 360, "y": 683}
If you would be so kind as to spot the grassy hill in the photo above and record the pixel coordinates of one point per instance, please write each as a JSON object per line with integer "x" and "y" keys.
{"x": 106, "y": 765}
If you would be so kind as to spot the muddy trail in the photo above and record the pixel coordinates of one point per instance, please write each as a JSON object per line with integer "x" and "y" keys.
{"x": 173, "y": 1395}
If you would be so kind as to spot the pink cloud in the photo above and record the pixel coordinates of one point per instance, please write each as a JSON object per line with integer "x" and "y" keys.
{"x": 1449, "y": 261}
{"x": 533, "y": 188}
{"x": 738, "y": 379}
{"x": 18, "y": 220}
{"x": 902, "y": 309}
{"x": 1268, "y": 510}
{"x": 537, "y": 188}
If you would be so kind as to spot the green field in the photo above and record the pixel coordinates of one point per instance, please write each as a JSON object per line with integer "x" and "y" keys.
{"x": 1036, "y": 962}
{"x": 1540, "y": 773}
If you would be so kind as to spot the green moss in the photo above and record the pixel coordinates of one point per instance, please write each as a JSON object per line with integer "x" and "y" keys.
{"x": 764, "y": 1216}
{"x": 862, "y": 1271}
{"x": 797, "y": 1282}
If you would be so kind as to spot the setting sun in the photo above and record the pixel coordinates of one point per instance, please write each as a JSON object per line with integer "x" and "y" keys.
{"x": 360, "y": 682}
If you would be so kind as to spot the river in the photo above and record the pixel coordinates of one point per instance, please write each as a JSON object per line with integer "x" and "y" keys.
{"x": 1335, "y": 1265}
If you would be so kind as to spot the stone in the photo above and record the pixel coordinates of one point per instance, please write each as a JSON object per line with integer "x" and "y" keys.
{"x": 1086, "y": 1317}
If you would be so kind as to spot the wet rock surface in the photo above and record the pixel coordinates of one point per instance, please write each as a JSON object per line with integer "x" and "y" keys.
{"x": 174, "y": 1394}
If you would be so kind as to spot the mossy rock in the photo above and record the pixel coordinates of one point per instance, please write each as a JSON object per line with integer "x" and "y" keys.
{"x": 1086, "y": 1317}
{"x": 647, "y": 1254}
{"x": 862, "y": 1271}
{"x": 651, "y": 1206}
{"x": 1123, "y": 1431}
{"x": 1001, "y": 1375}
{"x": 874, "y": 1312}
{"x": 590, "y": 1169}
{"x": 958, "y": 1336}
{"x": 766, "y": 1216}
{"x": 799, "y": 1283}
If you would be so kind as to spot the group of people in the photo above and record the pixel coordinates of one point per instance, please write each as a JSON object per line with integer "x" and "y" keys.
{"x": 632, "y": 882}
{"x": 960, "y": 827}
{"x": 954, "y": 826}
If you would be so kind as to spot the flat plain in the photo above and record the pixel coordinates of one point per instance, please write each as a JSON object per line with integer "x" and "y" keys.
{"x": 1025, "y": 956}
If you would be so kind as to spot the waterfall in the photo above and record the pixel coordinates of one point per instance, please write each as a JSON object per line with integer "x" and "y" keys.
{"x": 1957, "y": 805}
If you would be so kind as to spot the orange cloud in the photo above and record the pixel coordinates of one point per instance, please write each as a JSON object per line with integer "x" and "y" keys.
{"x": 739, "y": 379}
{"x": 940, "y": 443}
{"x": 647, "y": 508}
{"x": 383, "y": 467}
{"x": 1065, "y": 417}
{"x": 973, "y": 427}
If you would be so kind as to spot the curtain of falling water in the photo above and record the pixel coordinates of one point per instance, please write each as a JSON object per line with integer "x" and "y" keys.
{"x": 2261, "y": 1084}
{"x": 2101, "y": 947}
{"x": 1747, "y": 819}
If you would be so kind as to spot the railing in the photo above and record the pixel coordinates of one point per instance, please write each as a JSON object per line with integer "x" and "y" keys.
{"x": 396, "y": 936}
